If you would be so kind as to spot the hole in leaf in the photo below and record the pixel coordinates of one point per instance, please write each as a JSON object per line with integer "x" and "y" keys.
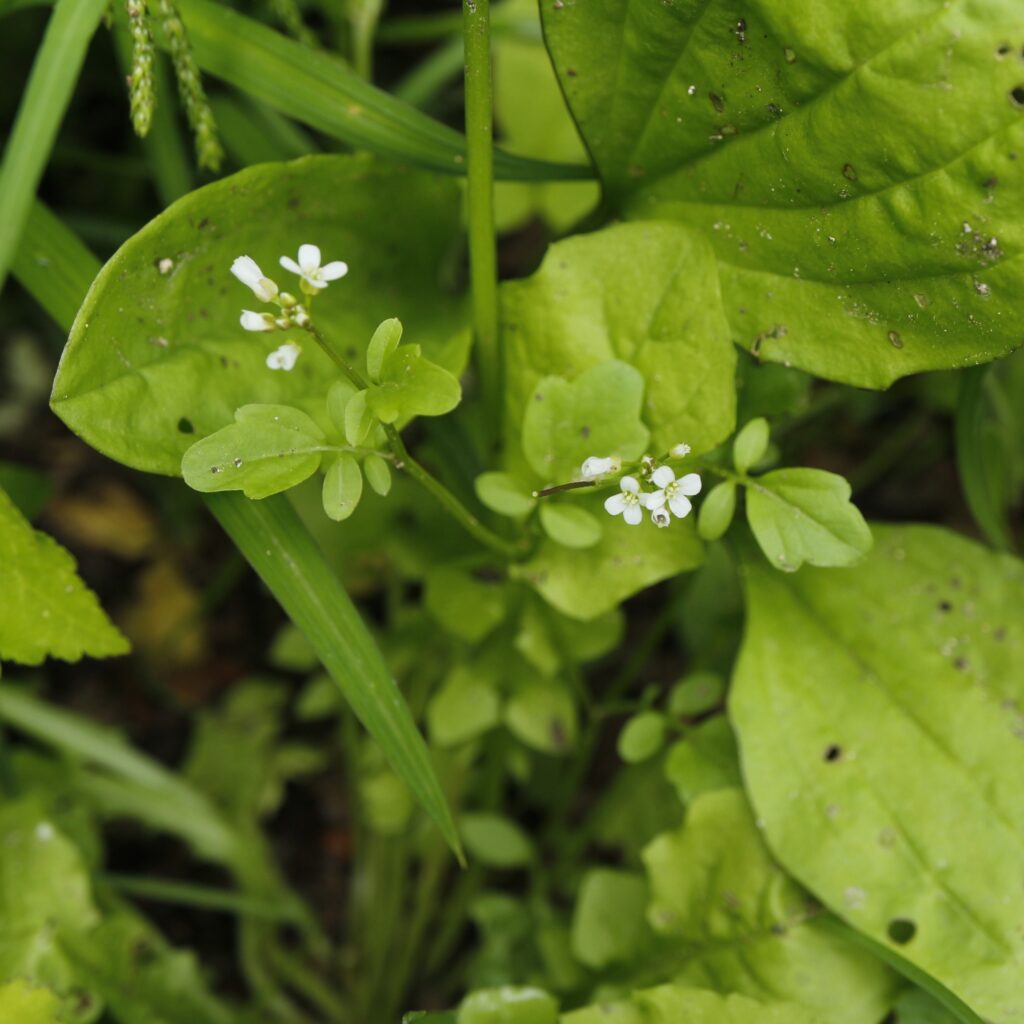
{"x": 833, "y": 752}
{"x": 901, "y": 931}
{"x": 185, "y": 426}
{"x": 1017, "y": 96}
{"x": 1003, "y": 49}
{"x": 944, "y": 606}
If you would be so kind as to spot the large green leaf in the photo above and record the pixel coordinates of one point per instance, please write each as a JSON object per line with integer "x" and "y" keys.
{"x": 645, "y": 294}
{"x": 852, "y": 237}
{"x": 880, "y": 721}
{"x": 744, "y": 926}
{"x": 156, "y": 358}
{"x": 45, "y": 608}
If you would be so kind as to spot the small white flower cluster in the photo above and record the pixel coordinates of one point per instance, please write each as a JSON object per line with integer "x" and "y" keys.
{"x": 291, "y": 313}
{"x": 671, "y": 496}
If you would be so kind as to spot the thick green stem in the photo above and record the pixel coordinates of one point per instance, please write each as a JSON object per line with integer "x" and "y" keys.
{"x": 403, "y": 460}
{"x": 483, "y": 260}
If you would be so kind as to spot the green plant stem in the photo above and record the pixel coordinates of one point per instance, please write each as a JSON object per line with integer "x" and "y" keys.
{"x": 483, "y": 257}
{"x": 403, "y": 460}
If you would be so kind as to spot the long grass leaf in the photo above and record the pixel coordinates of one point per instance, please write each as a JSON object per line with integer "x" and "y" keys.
{"x": 40, "y": 113}
{"x": 53, "y": 265}
{"x": 320, "y": 91}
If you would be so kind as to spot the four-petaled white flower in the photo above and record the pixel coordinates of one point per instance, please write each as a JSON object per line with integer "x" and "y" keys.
{"x": 285, "y": 357}
{"x": 596, "y": 466}
{"x": 660, "y": 517}
{"x": 680, "y": 451}
{"x": 628, "y": 503}
{"x": 309, "y": 269}
{"x": 247, "y": 270}
{"x": 675, "y": 493}
{"x": 257, "y": 321}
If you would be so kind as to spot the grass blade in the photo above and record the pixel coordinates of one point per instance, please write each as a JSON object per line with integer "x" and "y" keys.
{"x": 318, "y": 90}
{"x": 50, "y": 85}
{"x": 280, "y": 548}
{"x": 53, "y": 265}
{"x": 282, "y": 551}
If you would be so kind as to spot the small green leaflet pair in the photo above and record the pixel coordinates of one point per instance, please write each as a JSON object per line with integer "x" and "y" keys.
{"x": 797, "y": 515}
{"x": 271, "y": 448}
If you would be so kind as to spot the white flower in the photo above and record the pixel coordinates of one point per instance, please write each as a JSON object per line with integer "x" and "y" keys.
{"x": 675, "y": 493}
{"x": 285, "y": 357}
{"x": 680, "y": 451}
{"x": 247, "y": 271}
{"x": 628, "y": 502}
{"x": 309, "y": 269}
{"x": 596, "y": 466}
{"x": 257, "y": 321}
{"x": 660, "y": 517}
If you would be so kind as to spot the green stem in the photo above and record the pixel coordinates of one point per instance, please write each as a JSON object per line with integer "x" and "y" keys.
{"x": 403, "y": 460}
{"x": 483, "y": 258}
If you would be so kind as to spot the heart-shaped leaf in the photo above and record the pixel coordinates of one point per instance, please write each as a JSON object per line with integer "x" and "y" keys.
{"x": 643, "y": 294}
{"x": 156, "y": 358}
